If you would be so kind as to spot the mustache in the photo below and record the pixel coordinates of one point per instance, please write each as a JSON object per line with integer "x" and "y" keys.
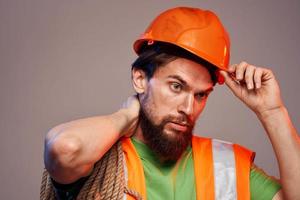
{"x": 181, "y": 120}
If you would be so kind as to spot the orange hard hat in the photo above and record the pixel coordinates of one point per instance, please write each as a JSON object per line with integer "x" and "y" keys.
{"x": 197, "y": 31}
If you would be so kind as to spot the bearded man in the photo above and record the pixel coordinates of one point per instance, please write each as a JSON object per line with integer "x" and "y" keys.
{"x": 181, "y": 56}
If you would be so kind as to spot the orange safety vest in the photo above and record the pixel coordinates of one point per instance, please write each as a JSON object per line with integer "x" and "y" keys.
{"x": 222, "y": 169}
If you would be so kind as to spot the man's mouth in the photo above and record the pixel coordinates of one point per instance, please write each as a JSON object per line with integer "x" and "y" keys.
{"x": 182, "y": 127}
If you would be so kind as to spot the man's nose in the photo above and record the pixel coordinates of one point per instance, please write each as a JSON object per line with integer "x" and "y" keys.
{"x": 187, "y": 105}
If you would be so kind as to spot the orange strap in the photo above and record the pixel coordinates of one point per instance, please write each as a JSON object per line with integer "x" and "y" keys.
{"x": 243, "y": 161}
{"x": 203, "y": 167}
{"x": 135, "y": 171}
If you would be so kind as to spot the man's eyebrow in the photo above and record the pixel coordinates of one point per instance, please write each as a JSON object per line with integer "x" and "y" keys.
{"x": 183, "y": 82}
{"x": 209, "y": 90}
{"x": 178, "y": 78}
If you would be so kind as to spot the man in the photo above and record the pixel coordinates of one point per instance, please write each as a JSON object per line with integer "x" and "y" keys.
{"x": 182, "y": 55}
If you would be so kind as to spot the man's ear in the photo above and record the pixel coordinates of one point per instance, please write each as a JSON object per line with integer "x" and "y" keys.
{"x": 139, "y": 80}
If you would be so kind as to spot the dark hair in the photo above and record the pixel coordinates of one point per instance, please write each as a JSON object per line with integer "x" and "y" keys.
{"x": 159, "y": 54}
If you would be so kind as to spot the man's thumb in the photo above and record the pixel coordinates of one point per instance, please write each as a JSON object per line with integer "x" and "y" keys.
{"x": 229, "y": 81}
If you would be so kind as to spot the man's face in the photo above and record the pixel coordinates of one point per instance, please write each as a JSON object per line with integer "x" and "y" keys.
{"x": 174, "y": 98}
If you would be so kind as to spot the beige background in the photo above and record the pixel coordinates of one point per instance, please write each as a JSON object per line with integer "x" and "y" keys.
{"x": 63, "y": 60}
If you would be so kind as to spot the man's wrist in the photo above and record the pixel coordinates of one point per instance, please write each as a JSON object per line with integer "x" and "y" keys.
{"x": 119, "y": 120}
{"x": 272, "y": 113}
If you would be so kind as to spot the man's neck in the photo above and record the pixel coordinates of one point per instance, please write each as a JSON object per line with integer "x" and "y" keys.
{"x": 139, "y": 134}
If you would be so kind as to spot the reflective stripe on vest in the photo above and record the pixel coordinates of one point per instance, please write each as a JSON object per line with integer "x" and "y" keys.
{"x": 222, "y": 169}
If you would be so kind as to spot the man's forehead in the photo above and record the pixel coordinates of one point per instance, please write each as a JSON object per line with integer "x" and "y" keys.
{"x": 190, "y": 72}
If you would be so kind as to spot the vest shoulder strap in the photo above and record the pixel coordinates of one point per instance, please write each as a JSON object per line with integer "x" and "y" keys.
{"x": 222, "y": 169}
{"x": 133, "y": 170}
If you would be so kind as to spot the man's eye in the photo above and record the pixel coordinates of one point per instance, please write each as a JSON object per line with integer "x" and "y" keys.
{"x": 176, "y": 87}
{"x": 201, "y": 96}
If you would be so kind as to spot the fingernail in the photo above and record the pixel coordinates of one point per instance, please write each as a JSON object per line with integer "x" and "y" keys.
{"x": 250, "y": 87}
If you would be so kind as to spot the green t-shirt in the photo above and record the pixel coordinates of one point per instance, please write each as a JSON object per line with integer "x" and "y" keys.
{"x": 176, "y": 180}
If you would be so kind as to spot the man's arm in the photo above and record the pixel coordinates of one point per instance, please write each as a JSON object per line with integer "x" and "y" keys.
{"x": 285, "y": 142}
{"x": 72, "y": 149}
{"x": 259, "y": 90}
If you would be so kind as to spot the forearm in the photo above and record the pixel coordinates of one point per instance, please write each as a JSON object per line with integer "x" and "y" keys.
{"x": 286, "y": 144}
{"x": 71, "y": 149}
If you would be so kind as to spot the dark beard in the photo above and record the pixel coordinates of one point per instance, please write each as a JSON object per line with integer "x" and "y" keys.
{"x": 166, "y": 147}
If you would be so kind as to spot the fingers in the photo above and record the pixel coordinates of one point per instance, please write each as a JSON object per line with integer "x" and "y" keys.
{"x": 240, "y": 71}
{"x": 130, "y": 109}
{"x": 231, "y": 82}
{"x": 247, "y": 74}
{"x": 257, "y": 77}
{"x": 130, "y": 100}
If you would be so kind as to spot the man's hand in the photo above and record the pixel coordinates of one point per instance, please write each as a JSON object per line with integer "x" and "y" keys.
{"x": 255, "y": 86}
{"x": 259, "y": 90}
{"x": 130, "y": 109}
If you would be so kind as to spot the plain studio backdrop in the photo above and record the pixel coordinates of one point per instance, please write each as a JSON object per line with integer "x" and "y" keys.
{"x": 64, "y": 60}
